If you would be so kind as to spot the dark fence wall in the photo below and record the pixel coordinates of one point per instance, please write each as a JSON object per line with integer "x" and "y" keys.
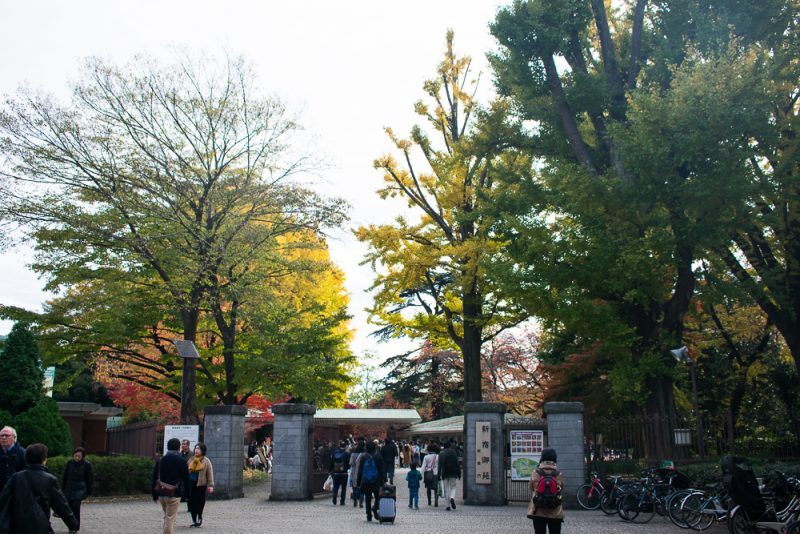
{"x": 136, "y": 439}
{"x": 689, "y": 439}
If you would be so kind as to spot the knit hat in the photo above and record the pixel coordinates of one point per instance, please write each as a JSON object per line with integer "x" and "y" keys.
{"x": 549, "y": 455}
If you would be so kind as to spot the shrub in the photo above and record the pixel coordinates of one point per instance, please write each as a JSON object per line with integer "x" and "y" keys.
{"x": 43, "y": 424}
{"x": 113, "y": 475}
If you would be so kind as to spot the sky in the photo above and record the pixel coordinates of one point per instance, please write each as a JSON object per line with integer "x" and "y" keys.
{"x": 350, "y": 68}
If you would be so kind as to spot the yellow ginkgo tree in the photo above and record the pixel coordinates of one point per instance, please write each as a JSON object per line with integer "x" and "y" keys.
{"x": 430, "y": 271}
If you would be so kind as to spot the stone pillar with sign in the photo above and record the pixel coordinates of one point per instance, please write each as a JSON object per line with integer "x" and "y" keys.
{"x": 223, "y": 433}
{"x": 483, "y": 470}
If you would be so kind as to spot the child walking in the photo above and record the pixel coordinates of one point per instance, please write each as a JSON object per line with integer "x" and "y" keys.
{"x": 413, "y": 477}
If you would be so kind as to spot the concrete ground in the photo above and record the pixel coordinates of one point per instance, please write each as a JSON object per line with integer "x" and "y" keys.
{"x": 255, "y": 513}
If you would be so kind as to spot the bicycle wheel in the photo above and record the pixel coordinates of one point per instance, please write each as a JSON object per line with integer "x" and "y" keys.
{"x": 608, "y": 502}
{"x": 628, "y": 506}
{"x": 740, "y": 523}
{"x": 707, "y": 515}
{"x": 793, "y": 528}
{"x": 589, "y": 496}
{"x": 647, "y": 509}
{"x": 690, "y": 508}
{"x": 674, "y": 511}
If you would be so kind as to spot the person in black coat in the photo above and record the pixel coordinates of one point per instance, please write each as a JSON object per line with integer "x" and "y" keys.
{"x": 77, "y": 481}
{"x": 370, "y": 488}
{"x": 33, "y": 492}
{"x": 12, "y": 455}
{"x": 171, "y": 469}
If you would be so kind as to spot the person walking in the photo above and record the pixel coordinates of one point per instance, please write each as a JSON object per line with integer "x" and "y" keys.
{"x": 173, "y": 471}
{"x": 340, "y": 462}
{"x": 545, "y": 507}
{"x": 389, "y": 453}
{"x": 358, "y": 496}
{"x": 449, "y": 473}
{"x": 430, "y": 473}
{"x": 12, "y": 455}
{"x": 413, "y": 477}
{"x": 371, "y": 476}
{"x": 32, "y": 493}
{"x": 201, "y": 482}
{"x": 77, "y": 481}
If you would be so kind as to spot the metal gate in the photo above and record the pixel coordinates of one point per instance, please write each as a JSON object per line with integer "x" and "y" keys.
{"x": 517, "y": 486}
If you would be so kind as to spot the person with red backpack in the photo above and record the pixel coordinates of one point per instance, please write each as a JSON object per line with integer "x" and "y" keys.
{"x": 546, "y": 485}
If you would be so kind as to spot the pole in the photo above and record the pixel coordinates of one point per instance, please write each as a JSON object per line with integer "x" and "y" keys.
{"x": 701, "y": 446}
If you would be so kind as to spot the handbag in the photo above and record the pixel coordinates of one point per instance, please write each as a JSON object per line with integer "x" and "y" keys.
{"x": 162, "y": 488}
{"x": 328, "y": 486}
{"x": 428, "y": 476}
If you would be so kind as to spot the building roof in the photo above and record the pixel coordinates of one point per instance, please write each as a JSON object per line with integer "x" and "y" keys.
{"x": 455, "y": 425}
{"x": 344, "y": 416}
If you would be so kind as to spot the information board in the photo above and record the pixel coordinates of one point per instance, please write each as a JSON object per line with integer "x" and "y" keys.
{"x": 526, "y": 452}
{"x": 182, "y": 432}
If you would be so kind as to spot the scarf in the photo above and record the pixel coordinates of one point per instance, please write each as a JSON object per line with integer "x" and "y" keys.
{"x": 196, "y": 465}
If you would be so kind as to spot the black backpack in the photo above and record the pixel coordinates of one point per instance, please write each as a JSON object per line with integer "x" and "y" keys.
{"x": 339, "y": 465}
{"x": 548, "y": 494}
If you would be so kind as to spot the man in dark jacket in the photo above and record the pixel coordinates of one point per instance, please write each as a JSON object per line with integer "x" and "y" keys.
{"x": 170, "y": 469}
{"x": 389, "y": 453}
{"x": 12, "y": 455}
{"x": 371, "y": 481}
{"x": 34, "y": 492}
{"x": 449, "y": 473}
{"x": 340, "y": 463}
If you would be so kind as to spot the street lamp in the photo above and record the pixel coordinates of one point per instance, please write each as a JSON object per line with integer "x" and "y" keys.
{"x": 681, "y": 355}
{"x": 188, "y": 351}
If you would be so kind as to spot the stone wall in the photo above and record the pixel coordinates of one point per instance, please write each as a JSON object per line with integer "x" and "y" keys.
{"x": 291, "y": 468}
{"x": 224, "y": 439}
{"x": 565, "y": 435}
{"x": 494, "y": 493}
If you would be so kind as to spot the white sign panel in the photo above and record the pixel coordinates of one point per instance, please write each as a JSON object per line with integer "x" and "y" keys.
{"x": 526, "y": 452}
{"x": 182, "y": 432}
{"x": 483, "y": 456}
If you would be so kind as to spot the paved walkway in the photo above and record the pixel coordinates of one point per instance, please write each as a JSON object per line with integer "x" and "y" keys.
{"x": 255, "y": 514}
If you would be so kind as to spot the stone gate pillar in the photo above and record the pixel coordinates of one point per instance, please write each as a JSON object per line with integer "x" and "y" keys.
{"x": 223, "y": 432}
{"x": 291, "y": 452}
{"x": 484, "y": 441}
{"x": 565, "y": 435}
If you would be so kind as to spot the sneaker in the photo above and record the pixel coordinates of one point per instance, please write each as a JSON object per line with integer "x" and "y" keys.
{"x": 448, "y": 508}
{"x": 416, "y": 507}
{"x": 453, "y": 504}
{"x": 409, "y": 506}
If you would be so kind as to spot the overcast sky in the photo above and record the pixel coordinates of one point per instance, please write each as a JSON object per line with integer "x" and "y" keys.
{"x": 350, "y": 67}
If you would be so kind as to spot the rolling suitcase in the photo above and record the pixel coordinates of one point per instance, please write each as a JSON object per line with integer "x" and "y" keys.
{"x": 387, "y": 509}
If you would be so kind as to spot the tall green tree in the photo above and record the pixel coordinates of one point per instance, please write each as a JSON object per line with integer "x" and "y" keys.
{"x": 430, "y": 282}
{"x": 639, "y": 120}
{"x": 175, "y": 180}
{"x": 20, "y": 371}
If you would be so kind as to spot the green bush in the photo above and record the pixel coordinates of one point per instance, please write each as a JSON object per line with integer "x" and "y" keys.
{"x": 43, "y": 424}
{"x": 113, "y": 475}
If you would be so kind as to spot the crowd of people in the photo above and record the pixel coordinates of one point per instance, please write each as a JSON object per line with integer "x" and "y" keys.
{"x": 435, "y": 466}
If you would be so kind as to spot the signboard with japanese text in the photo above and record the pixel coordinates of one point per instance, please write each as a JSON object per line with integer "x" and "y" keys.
{"x": 526, "y": 451}
{"x": 483, "y": 456}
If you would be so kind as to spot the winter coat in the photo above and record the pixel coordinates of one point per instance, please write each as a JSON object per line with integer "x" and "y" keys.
{"x": 363, "y": 484}
{"x": 448, "y": 464}
{"x": 11, "y": 461}
{"x": 77, "y": 480}
{"x": 205, "y": 477}
{"x": 550, "y": 513}
{"x": 33, "y": 492}
{"x": 174, "y": 470}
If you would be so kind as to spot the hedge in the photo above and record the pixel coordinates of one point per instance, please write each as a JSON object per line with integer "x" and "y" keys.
{"x": 113, "y": 475}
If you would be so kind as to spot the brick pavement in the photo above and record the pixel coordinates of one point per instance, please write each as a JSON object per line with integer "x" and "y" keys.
{"x": 255, "y": 513}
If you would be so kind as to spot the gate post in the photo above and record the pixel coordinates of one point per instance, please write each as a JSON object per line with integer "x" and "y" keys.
{"x": 291, "y": 450}
{"x": 565, "y": 435}
{"x": 223, "y": 432}
{"x": 484, "y": 443}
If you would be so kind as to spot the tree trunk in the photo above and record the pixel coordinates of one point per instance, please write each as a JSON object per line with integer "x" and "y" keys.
{"x": 471, "y": 348}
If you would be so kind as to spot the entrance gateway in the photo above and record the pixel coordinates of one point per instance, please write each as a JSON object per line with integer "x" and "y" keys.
{"x": 486, "y": 432}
